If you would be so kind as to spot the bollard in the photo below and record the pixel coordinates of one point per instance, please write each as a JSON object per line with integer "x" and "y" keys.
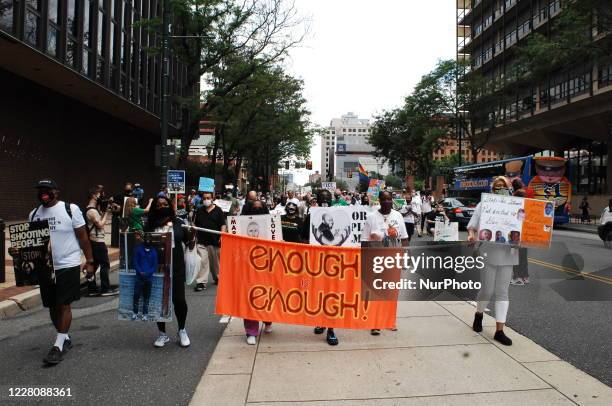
{"x": 2, "y": 248}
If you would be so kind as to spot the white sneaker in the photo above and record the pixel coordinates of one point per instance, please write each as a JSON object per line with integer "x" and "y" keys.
{"x": 268, "y": 328}
{"x": 184, "y": 338}
{"x": 161, "y": 340}
{"x": 251, "y": 340}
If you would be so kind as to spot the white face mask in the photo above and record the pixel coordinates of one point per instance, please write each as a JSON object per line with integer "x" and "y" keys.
{"x": 207, "y": 202}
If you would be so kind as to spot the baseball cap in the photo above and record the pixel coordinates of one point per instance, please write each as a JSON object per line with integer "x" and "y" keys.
{"x": 46, "y": 183}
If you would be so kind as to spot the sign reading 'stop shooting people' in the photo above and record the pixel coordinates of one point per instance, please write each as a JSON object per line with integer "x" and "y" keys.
{"x": 176, "y": 181}
{"x": 264, "y": 226}
{"x": 515, "y": 220}
{"x": 33, "y": 259}
{"x": 339, "y": 225}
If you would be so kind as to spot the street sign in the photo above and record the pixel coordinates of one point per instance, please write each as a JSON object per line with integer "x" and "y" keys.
{"x": 176, "y": 181}
{"x": 331, "y": 186}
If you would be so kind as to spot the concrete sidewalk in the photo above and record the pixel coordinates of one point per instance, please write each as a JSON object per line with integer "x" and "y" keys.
{"x": 433, "y": 359}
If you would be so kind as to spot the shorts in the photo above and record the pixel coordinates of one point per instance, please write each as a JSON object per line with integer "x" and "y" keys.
{"x": 65, "y": 290}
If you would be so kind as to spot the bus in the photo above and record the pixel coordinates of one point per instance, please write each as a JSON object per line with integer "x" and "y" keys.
{"x": 546, "y": 178}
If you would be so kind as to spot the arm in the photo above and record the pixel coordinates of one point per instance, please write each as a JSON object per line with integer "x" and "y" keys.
{"x": 146, "y": 210}
{"x": 81, "y": 235}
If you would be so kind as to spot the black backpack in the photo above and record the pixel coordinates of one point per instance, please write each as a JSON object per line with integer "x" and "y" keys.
{"x": 68, "y": 211}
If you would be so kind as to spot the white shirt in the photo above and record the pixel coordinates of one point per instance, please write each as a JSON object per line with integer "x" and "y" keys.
{"x": 64, "y": 243}
{"x": 426, "y": 207}
{"x": 294, "y": 200}
{"x": 606, "y": 216}
{"x": 408, "y": 215}
{"x": 416, "y": 206}
{"x": 379, "y": 223}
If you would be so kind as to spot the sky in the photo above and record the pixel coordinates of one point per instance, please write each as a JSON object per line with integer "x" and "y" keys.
{"x": 365, "y": 56}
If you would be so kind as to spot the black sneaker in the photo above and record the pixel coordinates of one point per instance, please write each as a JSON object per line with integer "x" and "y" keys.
{"x": 319, "y": 330}
{"x": 502, "y": 338}
{"x": 200, "y": 287}
{"x": 331, "y": 337}
{"x": 375, "y": 332}
{"x": 477, "y": 326}
{"x": 54, "y": 356}
{"x": 110, "y": 292}
{"x": 67, "y": 345}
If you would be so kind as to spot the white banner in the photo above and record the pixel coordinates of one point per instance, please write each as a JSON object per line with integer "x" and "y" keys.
{"x": 339, "y": 225}
{"x": 263, "y": 226}
{"x": 446, "y": 231}
{"x": 224, "y": 205}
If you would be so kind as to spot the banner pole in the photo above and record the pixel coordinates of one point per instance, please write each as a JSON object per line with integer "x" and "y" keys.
{"x": 206, "y": 230}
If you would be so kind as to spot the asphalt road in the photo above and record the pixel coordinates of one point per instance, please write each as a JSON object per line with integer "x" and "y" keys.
{"x": 112, "y": 362}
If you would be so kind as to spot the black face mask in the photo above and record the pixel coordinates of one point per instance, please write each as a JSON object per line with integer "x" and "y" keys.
{"x": 259, "y": 210}
{"x": 46, "y": 197}
{"x": 127, "y": 192}
{"x": 386, "y": 206}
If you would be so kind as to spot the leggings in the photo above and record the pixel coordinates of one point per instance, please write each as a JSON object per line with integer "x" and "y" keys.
{"x": 495, "y": 280}
{"x": 178, "y": 301}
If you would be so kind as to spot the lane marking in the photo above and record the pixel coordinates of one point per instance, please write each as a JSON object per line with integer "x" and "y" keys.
{"x": 598, "y": 278}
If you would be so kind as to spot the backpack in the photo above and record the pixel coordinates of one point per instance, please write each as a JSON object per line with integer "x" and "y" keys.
{"x": 67, "y": 206}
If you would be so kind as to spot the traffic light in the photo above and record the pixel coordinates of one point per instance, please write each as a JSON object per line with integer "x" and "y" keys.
{"x": 286, "y": 164}
{"x": 309, "y": 165}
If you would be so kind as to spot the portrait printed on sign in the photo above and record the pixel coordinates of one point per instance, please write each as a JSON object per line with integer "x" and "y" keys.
{"x": 30, "y": 245}
{"x": 145, "y": 277}
{"x": 330, "y": 226}
{"x": 263, "y": 226}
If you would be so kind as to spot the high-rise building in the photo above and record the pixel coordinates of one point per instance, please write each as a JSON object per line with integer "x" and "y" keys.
{"x": 569, "y": 113}
{"x": 345, "y": 146}
{"x": 80, "y": 84}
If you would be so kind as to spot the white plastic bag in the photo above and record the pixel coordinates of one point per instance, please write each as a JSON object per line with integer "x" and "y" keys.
{"x": 192, "y": 265}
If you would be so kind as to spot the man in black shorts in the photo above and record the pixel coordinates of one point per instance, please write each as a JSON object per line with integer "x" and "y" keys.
{"x": 61, "y": 286}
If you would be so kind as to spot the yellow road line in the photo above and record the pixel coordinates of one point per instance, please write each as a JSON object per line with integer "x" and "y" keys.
{"x": 598, "y": 278}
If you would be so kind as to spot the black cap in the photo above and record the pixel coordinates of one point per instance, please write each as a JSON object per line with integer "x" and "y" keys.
{"x": 46, "y": 183}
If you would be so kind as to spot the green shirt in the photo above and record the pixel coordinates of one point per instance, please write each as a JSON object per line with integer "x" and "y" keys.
{"x": 135, "y": 219}
{"x": 339, "y": 202}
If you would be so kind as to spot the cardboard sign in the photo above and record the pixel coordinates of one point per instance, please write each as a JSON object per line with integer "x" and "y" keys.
{"x": 338, "y": 225}
{"x": 398, "y": 204}
{"x": 516, "y": 221}
{"x": 33, "y": 260}
{"x": 331, "y": 186}
{"x": 176, "y": 181}
{"x": 206, "y": 185}
{"x": 446, "y": 231}
{"x": 224, "y": 205}
{"x": 264, "y": 226}
{"x": 145, "y": 296}
{"x": 297, "y": 284}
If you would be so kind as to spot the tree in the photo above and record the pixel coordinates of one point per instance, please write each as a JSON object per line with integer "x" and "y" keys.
{"x": 393, "y": 181}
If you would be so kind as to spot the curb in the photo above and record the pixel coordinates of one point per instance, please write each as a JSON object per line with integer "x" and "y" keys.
{"x": 17, "y": 304}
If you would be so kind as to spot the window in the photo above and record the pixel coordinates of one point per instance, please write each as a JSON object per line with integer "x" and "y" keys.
{"x": 6, "y": 15}
{"x": 31, "y": 31}
{"x": 72, "y": 33}
{"x": 53, "y": 33}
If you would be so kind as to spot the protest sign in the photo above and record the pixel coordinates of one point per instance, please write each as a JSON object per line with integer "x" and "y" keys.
{"x": 140, "y": 296}
{"x": 444, "y": 231}
{"x": 176, "y": 181}
{"x": 338, "y": 225}
{"x": 224, "y": 205}
{"x": 375, "y": 186}
{"x": 516, "y": 221}
{"x": 33, "y": 260}
{"x": 264, "y": 226}
{"x": 331, "y": 186}
{"x": 206, "y": 185}
{"x": 398, "y": 204}
{"x": 297, "y": 284}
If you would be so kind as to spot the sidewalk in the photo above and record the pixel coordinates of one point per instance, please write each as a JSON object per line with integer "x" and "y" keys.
{"x": 433, "y": 359}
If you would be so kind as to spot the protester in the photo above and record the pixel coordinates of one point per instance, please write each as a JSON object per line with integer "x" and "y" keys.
{"x": 96, "y": 224}
{"x": 134, "y": 214}
{"x": 417, "y": 211}
{"x": 338, "y": 199}
{"x": 60, "y": 287}
{"x": 211, "y": 217}
{"x": 145, "y": 265}
{"x": 162, "y": 219}
{"x": 585, "y": 207}
{"x": 365, "y": 200}
{"x": 406, "y": 211}
{"x": 438, "y": 214}
{"x": 425, "y": 209}
{"x": 251, "y": 327}
{"x": 384, "y": 227}
{"x": 292, "y": 225}
{"x": 292, "y": 199}
{"x": 138, "y": 192}
{"x": 500, "y": 258}
{"x": 182, "y": 209}
{"x": 251, "y": 199}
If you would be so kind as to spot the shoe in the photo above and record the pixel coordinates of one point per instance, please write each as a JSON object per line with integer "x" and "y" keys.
{"x": 375, "y": 332}
{"x": 502, "y": 338}
{"x": 525, "y": 280}
{"x": 54, "y": 356}
{"x": 251, "y": 340}
{"x": 319, "y": 330}
{"x": 477, "y": 326}
{"x": 67, "y": 345}
{"x": 161, "y": 340}
{"x": 216, "y": 281}
{"x": 331, "y": 337}
{"x": 268, "y": 328}
{"x": 93, "y": 293}
{"x": 145, "y": 317}
{"x": 200, "y": 287}
{"x": 110, "y": 292}
{"x": 184, "y": 338}
{"x": 135, "y": 316}
{"x": 393, "y": 329}
{"x": 517, "y": 282}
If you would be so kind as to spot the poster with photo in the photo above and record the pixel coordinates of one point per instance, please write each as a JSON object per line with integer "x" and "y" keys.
{"x": 338, "y": 226}
{"x": 516, "y": 221}
{"x": 176, "y": 181}
{"x": 31, "y": 244}
{"x": 145, "y": 277}
{"x": 264, "y": 226}
{"x": 446, "y": 231}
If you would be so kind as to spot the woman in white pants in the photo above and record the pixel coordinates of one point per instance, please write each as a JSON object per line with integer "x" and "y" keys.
{"x": 500, "y": 259}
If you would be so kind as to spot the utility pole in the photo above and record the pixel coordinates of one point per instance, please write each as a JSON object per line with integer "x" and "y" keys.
{"x": 165, "y": 57}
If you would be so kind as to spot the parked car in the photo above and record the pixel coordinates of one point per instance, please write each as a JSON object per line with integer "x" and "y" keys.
{"x": 460, "y": 209}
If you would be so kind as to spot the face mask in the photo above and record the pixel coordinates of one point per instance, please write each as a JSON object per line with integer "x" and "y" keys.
{"x": 337, "y": 197}
{"x": 147, "y": 243}
{"x": 503, "y": 192}
{"x": 386, "y": 206}
{"x": 290, "y": 210}
{"x": 45, "y": 197}
{"x": 324, "y": 204}
{"x": 164, "y": 212}
{"x": 127, "y": 192}
{"x": 207, "y": 203}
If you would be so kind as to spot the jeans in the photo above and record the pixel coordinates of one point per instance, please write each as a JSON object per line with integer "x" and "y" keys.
{"x": 142, "y": 286}
{"x": 100, "y": 257}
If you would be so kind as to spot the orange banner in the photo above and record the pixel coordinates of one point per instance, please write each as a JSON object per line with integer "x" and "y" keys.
{"x": 296, "y": 284}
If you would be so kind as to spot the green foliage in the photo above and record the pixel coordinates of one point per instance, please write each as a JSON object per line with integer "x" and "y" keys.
{"x": 393, "y": 181}
{"x": 419, "y": 184}
{"x": 340, "y": 184}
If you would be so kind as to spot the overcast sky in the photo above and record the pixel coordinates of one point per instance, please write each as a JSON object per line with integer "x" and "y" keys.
{"x": 365, "y": 56}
